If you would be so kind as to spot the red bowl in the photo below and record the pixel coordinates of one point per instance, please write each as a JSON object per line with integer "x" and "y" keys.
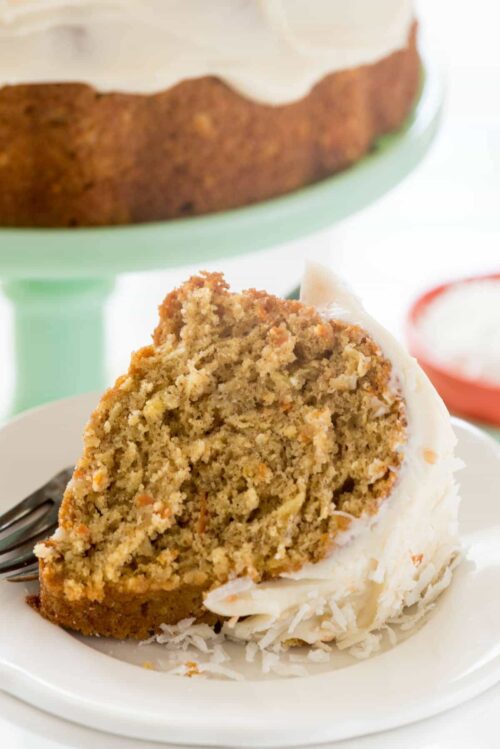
{"x": 474, "y": 398}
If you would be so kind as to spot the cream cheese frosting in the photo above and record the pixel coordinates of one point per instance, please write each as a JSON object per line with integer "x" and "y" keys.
{"x": 273, "y": 51}
{"x": 384, "y": 564}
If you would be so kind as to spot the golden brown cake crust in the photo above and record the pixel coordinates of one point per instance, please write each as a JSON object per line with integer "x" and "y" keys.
{"x": 120, "y": 615}
{"x": 70, "y": 156}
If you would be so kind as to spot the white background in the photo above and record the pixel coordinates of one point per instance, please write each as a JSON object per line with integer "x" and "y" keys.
{"x": 443, "y": 222}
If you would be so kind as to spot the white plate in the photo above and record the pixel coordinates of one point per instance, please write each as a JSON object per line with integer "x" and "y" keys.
{"x": 454, "y": 656}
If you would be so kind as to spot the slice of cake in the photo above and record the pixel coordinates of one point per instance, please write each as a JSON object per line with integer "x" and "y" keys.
{"x": 281, "y": 464}
{"x": 124, "y": 111}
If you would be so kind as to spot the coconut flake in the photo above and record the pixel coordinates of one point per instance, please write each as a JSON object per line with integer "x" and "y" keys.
{"x": 269, "y": 637}
{"x": 318, "y": 656}
{"x": 338, "y": 614}
{"x": 197, "y": 650}
{"x": 251, "y": 651}
{"x": 367, "y": 647}
{"x": 301, "y": 614}
{"x": 219, "y": 655}
{"x": 269, "y": 660}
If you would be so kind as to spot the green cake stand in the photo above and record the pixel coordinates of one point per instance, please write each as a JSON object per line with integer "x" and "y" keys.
{"x": 58, "y": 280}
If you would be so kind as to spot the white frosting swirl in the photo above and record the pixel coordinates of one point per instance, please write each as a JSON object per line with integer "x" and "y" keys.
{"x": 381, "y": 564}
{"x": 273, "y": 51}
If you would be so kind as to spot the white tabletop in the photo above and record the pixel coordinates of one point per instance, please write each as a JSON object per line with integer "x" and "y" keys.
{"x": 441, "y": 223}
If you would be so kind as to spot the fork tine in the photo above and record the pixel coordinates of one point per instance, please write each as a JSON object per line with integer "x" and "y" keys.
{"x": 30, "y": 531}
{"x": 19, "y": 511}
{"x": 23, "y": 552}
{"x": 25, "y": 575}
{"x": 17, "y": 563}
{"x": 28, "y": 544}
{"x": 35, "y": 500}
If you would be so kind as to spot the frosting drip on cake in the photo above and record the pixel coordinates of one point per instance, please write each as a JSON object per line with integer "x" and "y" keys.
{"x": 383, "y": 564}
{"x": 273, "y": 51}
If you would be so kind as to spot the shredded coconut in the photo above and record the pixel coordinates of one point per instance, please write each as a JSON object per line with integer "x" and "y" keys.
{"x": 466, "y": 343}
{"x": 197, "y": 650}
{"x": 251, "y": 651}
{"x": 318, "y": 656}
{"x": 301, "y": 613}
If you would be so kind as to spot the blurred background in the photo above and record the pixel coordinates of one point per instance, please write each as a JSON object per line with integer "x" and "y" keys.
{"x": 443, "y": 222}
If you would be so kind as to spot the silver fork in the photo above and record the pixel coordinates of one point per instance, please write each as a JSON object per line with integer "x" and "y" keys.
{"x": 31, "y": 520}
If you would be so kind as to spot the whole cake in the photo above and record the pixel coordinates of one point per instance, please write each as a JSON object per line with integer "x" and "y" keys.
{"x": 281, "y": 465}
{"x": 123, "y": 111}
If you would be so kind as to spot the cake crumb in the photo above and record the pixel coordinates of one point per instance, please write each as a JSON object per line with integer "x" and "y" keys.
{"x": 430, "y": 456}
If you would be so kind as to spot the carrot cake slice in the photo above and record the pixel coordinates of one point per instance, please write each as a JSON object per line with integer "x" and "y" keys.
{"x": 282, "y": 464}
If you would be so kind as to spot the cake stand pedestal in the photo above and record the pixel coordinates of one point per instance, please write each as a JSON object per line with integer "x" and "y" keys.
{"x": 58, "y": 279}
{"x": 59, "y": 337}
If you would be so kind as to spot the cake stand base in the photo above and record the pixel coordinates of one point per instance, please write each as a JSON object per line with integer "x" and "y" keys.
{"x": 59, "y": 338}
